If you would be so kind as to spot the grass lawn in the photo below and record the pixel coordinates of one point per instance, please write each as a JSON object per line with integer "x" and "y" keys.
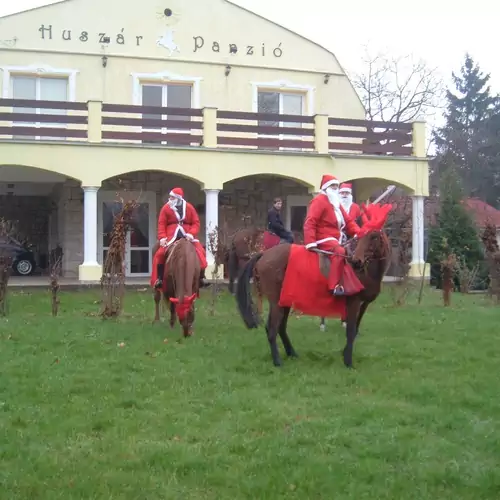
{"x": 211, "y": 418}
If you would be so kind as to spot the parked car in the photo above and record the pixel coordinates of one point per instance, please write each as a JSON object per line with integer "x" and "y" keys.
{"x": 23, "y": 259}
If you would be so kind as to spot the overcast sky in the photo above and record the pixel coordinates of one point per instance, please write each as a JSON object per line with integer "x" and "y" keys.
{"x": 439, "y": 31}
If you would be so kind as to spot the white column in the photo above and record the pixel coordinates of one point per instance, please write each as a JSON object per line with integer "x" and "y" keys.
{"x": 418, "y": 215}
{"x": 90, "y": 226}
{"x": 211, "y": 218}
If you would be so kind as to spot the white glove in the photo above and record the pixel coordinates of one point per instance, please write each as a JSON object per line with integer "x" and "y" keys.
{"x": 163, "y": 242}
{"x": 190, "y": 237}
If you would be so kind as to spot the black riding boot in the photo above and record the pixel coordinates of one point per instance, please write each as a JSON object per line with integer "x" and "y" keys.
{"x": 159, "y": 279}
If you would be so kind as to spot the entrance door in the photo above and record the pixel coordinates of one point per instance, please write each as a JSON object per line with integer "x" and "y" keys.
{"x": 141, "y": 236}
{"x": 296, "y": 210}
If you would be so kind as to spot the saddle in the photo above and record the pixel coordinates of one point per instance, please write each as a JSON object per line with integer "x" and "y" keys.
{"x": 324, "y": 259}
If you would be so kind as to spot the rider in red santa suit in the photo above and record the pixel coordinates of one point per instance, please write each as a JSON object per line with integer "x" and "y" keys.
{"x": 352, "y": 209}
{"x": 177, "y": 219}
{"x": 327, "y": 226}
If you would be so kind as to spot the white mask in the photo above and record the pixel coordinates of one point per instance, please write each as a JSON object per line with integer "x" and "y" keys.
{"x": 333, "y": 196}
{"x": 346, "y": 201}
{"x": 334, "y": 199}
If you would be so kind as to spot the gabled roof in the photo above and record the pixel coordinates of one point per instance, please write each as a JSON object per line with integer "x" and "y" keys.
{"x": 226, "y": 1}
{"x": 33, "y": 8}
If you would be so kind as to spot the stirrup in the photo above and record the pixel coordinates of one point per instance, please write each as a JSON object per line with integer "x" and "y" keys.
{"x": 158, "y": 284}
{"x": 338, "y": 291}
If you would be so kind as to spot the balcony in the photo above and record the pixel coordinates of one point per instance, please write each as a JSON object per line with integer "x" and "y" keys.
{"x": 202, "y": 128}
{"x": 139, "y": 135}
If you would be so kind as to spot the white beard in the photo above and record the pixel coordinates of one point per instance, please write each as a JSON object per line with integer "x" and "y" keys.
{"x": 346, "y": 202}
{"x": 334, "y": 199}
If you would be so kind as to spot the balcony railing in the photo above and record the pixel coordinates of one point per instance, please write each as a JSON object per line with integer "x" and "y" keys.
{"x": 98, "y": 122}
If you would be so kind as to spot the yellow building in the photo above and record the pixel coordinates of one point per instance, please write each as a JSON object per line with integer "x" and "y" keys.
{"x": 141, "y": 97}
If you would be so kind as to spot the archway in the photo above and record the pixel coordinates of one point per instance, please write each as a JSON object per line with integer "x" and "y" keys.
{"x": 246, "y": 201}
{"x": 149, "y": 188}
{"x": 409, "y": 242}
{"x": 40, "y": 204}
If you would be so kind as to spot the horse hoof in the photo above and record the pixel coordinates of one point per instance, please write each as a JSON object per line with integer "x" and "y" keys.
{"x": 322, "y": 328}
{"x": 293, "y": 355}
{"x": 277, "y": 363}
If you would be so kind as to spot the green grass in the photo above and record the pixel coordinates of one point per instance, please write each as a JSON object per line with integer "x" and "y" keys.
{"x": 211, "y": 418}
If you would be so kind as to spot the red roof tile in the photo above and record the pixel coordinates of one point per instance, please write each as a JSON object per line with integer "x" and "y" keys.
{"x": 480, "y": 210}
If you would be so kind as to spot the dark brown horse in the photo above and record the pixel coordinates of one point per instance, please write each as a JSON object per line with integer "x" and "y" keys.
{"x": 245, "y": 243}
{"x": 182, "y": 280}
{"x": 370, "y": 260}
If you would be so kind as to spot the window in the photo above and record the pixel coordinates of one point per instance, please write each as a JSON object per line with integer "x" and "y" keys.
{"x": 171, "y": 95}
{"x": 283, "y": 103}
{"x": 39, "y": 89}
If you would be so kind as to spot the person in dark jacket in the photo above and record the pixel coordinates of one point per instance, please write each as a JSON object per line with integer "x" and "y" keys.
{"x": 275, "y": 224}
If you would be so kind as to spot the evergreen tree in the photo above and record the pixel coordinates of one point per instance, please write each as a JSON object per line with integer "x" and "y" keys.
{"x": 466, "y": 139}
{"x": 454, "y": 231}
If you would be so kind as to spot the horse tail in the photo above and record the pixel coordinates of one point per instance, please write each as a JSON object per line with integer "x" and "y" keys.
{"x": 244, "y": 294}
{"x": 233, "y": 267}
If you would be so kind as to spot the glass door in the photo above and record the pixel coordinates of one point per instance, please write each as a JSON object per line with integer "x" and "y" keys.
{"x": 140, "y": 237}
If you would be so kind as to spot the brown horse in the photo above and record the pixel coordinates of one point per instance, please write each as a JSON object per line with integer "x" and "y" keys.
{"x": 369, "y": 260}
{"x": 182, "y": 280}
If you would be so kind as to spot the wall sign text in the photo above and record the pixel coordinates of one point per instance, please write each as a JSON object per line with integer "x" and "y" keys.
{"x": 47, "y": 32}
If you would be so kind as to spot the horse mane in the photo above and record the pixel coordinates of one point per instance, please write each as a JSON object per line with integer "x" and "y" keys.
{"x": 183, "y": 254}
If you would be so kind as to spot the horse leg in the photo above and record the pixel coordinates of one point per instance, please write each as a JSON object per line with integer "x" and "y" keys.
{"x": 273, "y": 322}
{"x": 362, "y": 310}
{"x": 172, "y": 314}
{"x": 287, "y": 344}
{"x": 322, "y": 325}
{"x": 188, "y": 324}
{"x": 353, "y": 307}
{"x": 157, "y": 298}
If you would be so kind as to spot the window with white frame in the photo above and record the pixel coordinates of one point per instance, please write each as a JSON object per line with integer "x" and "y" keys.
{"x": 38, "y": 88}
{"x": 171, "y": 95}
{"x": 283, "y": 103}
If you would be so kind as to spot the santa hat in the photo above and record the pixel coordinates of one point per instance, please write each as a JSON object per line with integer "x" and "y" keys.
{"x": 177, "y": 193}
{"x": 327, "y": 181}
{"x": 346, "y": 188}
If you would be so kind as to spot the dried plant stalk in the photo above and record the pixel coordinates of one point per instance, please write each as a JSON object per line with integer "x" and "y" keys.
{"x": 490, "y": 241}
{"x": 448, "y": 269}
{"x": 113, "y": 276}
{"x": 55, "y": 272}
{"x": 7, "y": 231}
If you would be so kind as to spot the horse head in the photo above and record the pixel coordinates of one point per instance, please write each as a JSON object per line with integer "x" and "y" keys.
{"x": 372, "y": 243}
{"x": 184, "y": 268}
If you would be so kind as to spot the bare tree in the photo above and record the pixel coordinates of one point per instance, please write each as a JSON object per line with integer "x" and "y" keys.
{"x": 398, "y": 88}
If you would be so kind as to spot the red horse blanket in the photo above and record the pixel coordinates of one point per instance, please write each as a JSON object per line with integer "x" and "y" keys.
{"x": 305, "y": 289}
{"x": 270, "y": 240}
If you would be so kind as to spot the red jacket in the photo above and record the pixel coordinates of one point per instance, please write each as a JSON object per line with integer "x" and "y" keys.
{"x": 354, "y": 211}
{"x": 169, "y": 224}
{"x": 321, "y": 223}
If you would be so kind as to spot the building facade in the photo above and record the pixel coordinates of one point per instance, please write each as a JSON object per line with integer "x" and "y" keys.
{"x": 104, "y": 101}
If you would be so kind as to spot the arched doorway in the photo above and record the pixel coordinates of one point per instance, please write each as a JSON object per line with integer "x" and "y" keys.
{"x": 40, "y": 206}
{"x": 149, "y": 190}
{"x": 246, "y": 200}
